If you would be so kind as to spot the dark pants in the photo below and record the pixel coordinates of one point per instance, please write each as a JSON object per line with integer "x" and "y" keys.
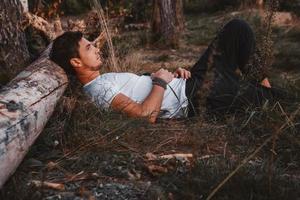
{"x": 229, "y": 51}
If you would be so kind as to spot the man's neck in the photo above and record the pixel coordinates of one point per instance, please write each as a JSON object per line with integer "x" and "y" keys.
{"x": 87, "y": 76}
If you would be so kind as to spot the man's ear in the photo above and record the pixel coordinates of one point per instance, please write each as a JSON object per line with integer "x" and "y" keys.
{"x": 76, "y": 62}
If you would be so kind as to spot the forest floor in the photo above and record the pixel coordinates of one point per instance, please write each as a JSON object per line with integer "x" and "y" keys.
{"x": 84, "y": 153}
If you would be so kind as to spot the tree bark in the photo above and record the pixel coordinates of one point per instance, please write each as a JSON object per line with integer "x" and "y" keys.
{"x": 179, "y": 18}
{"x": 260, "y": 4}
{"x": 13, "y": 49}
{"x": 168, "y": 20}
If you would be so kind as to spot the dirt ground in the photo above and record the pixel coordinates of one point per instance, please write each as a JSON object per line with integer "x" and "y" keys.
{"x": 85, "y": 154}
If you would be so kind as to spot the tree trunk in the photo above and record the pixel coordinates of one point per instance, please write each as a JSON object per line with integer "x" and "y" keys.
{"x": 168, "y": 20}
{"x": 260, "y": 4}
{"x": 13, "y": 48}
{"x": 138, "y": 10}
{"x": 26, "y": 104}
{"x": 179, "y": 18}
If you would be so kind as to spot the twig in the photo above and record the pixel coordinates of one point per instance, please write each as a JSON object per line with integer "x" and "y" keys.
{"x": 163, "y": 143}
{"x": 177, "y": 156}
{"x": 125, "y": 145}
{"x": 56, "y": 186}
{"x": 224, "y": 150}
{"x": 207, "y": 157}
{"x": 100, "y": 40}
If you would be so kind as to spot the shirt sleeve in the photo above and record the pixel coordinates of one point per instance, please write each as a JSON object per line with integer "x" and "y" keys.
{"x": 103, "y": 93}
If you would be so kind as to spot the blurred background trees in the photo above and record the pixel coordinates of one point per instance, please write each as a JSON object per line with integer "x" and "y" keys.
{"x": 147, "y": 10}
{"x": 168, "y": 21}
{"x": 165, "y": 17}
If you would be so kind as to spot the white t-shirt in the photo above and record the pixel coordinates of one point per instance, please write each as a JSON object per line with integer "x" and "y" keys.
{"x": 105, "y": 87}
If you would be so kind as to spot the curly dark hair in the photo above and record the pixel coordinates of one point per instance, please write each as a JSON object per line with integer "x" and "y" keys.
{"x": 64, "y": 48}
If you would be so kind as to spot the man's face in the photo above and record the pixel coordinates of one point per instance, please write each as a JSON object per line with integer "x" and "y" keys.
{"x": 89, "y": 55}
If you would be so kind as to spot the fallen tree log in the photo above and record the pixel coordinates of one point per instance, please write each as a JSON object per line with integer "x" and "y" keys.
{"x": 26, "y": 104}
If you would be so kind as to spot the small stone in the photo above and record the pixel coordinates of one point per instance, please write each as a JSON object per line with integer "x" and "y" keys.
{"x": 56, "y": 143}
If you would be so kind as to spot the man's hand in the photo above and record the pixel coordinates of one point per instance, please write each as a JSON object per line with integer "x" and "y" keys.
{"x": 266, "y": 83}
{"x": 164, "y": 75}
{"x": 182, "y": 73}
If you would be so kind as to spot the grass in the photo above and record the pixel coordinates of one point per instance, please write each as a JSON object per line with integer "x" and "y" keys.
{"x": 114, "y": 147}
{"x": 84, "y": 147}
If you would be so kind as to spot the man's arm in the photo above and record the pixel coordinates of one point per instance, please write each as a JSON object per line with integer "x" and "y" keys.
{"x": 266, "y": 83}
{"x": 150, "y": 107}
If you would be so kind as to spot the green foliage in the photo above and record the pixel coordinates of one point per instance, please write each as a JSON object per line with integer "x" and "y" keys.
{"x": 75, "y": 7}
{"x": 204, "y": 6}
{"x": 201, "y": 30}
{"x": 290, "y": 5}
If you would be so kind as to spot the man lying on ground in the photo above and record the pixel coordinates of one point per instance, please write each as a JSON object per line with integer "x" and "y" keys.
{"x": 165, "y": 94}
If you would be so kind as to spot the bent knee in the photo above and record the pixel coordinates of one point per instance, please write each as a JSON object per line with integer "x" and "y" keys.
{"x": 238, "y": 26}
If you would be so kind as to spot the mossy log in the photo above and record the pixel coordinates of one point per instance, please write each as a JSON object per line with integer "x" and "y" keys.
{"x": 26, "y": 104}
